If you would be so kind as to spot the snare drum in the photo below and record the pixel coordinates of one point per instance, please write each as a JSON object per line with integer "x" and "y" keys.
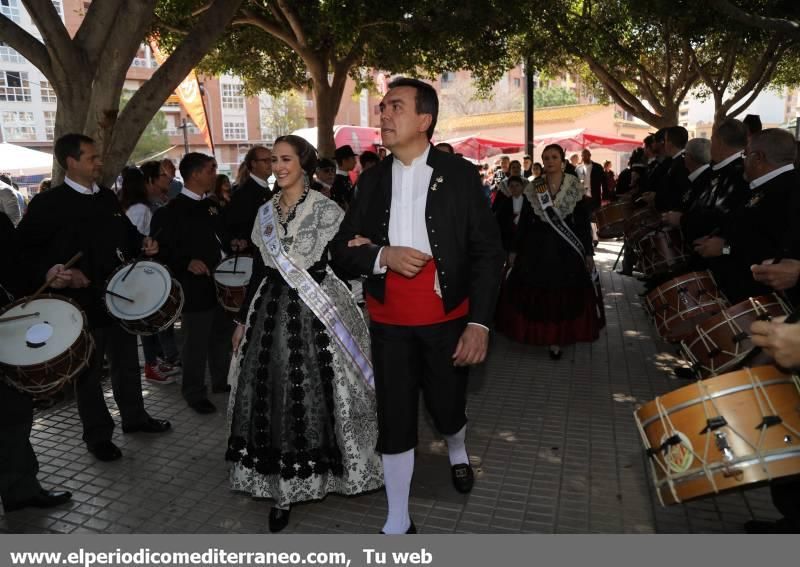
{"x": 43, "y": 345}
{"x": 611, "y": 219}
{"x": 732, "y": 431}
{"x": 662, "y": 251}
{"x": 682, "y": 302}
{"x": 156, "y": 298}
{"x": 718, "y": 344}
{"x": 232, "y": 283}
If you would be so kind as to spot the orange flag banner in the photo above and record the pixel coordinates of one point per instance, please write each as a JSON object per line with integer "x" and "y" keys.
{"x": 190, "y": 97}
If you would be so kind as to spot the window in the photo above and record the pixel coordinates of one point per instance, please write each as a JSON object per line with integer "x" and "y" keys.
{"x": 18, "y": 126}
{"x": 10, "y": 8}
{"x": 448, "y": 77}
{"x": 14, "y": 86}
{"x": 517, "y": 83}
{"x": 49, "y": 124}
{"x": 10, "y": 54}
{"x": 234, "y": 130}
{"x": 48, "y": 94}
{"x": 266, "y": 104}
{"x": 232, "y": 97}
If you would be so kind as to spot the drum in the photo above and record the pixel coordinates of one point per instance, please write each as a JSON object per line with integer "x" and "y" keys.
{"x": 733, "y": 431}
{"x": 640, "y": 223}
{"x": 661, "y": 251}
{"x": 145, "y": 302}
{"x": 231, "y": 277}
{"x": 611, "y": 219}
{"x": 44, "y": 344}
{"x": 682, "y": 302}
{"x": 718, "y": 344}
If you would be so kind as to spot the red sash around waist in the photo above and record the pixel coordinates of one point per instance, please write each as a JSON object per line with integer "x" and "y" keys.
{"x": 412, "y": 301}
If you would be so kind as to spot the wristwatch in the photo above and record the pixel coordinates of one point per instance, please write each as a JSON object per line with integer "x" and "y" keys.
{"x": 726, "y": 249}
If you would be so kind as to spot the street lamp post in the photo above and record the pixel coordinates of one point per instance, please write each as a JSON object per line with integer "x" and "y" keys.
{"x": 529, "y": 106}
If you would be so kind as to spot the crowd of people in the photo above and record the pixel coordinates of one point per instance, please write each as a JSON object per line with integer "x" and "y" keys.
{"x": 321, "y": 400}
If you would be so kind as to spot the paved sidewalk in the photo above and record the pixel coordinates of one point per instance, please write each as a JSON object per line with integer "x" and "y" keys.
{"x": 555, "y": 444}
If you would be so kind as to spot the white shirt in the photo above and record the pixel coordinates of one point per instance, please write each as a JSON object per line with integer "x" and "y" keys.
{"x": 342, "y": 172}
{"x": 758, "y": 182}
{"x": 727, "y": 160}
{"x": 696, "y": 173}
{"x": 258, "y": 180}
{"x": 516, "y": 203}
{"x": 584, "y": 171}
{"x": 679, "y": 153}
{"x": 140, "y": 215}
{"x": 81, "y": 188}
{"x": 192, "y": 195}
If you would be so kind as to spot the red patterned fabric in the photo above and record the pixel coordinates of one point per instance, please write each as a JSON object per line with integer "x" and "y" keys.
{"x": 412, "y": 301}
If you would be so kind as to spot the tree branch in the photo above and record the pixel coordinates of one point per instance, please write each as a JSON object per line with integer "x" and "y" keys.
{"x": 259, "y": 21}
{"x": 47, "y": 21}
{"x": 763, "y": 69}
{"x": 780, "y": 25}
{"x": 28, "y": 46}
{"x": 294, "y": 22}
{"x": 94, "y": 31}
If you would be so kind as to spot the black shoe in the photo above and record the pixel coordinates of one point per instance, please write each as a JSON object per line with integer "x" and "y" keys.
{"x": 685, "y": 373}
{"x": 278, "y": 519}
{"x": 104, "y": 450}
{"x": 220, "y": 389}
{"x": 555, "y": 354}
{"x": 782, "y": 526}
{"x": 625, "y": 273}
{"x": 203, "y": 406}
{"x": 463, "y": 477}
{"x": 42, "y": 499}
{"x": 151, "y": 425}
{"x": 412, "y": 529}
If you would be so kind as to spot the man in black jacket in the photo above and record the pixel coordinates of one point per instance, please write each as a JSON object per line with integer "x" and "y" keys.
{"x": 79, "y": 216}
{"x": 342, "y": 188}
{"x": 422, "y": 235}
{"x": 764, "y": 227}
{"x": 675, "y": 183}
{"x": 190, "y": 229}
{"x": 593, "y": 179}
{"x": 240, "y": 214}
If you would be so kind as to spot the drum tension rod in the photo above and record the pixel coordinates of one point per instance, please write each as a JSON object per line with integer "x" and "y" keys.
{"x": 741, "y": 337}
{"x": 714, "y": 352}
{"x": 714, "y": 423}
{"x": 769, "y": 421}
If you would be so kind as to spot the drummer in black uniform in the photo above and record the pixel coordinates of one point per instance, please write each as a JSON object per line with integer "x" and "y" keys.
{"x": 19, "y": 487}
{"x": 79, "y": 216}
{"x": 191, "y": 235}
{"x": 240, "y": 214}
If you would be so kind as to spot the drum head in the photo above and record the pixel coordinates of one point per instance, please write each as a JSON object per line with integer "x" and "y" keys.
{"x": 34, "y": 340}
{"x": 244, "y": 264}
{"x": 148, "y": 285}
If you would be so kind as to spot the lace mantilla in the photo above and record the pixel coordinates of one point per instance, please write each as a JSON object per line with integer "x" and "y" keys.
{"x": 314, "y": 225}
{"x": 571, "y": 194}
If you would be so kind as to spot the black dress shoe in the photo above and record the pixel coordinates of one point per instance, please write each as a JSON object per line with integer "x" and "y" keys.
{"x": 278, "y": 519}
{"x": 412, "y": 529}
{"x": 463, "y": 477}
{"x": 151, "y": 425}
{"x": 203, "y": 406}
{"x": 104, "y": 450}
{"x": 555, "y": 354}
{"x": 782, "y": 526}
{"x": 42, "y": 499}
{"x": 220, "y": 389}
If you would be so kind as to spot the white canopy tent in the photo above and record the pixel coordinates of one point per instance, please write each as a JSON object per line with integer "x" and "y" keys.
{"x": 19, "y": 161}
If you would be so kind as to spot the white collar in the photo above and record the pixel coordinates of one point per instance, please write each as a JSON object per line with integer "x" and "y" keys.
{"x": 696, "y": 173}
{"x": 758, "y": 182}
{"x": 727, "y": 160}
{"x": 679, "y": 153}
{"x": 259, "y": 180}
{"x": 585, "y": 165}
{"x": 83, "y": 190}
{"x": 416, "y": 162}
{"x": 192, "y": 195}
{"x": 342, "y": 172}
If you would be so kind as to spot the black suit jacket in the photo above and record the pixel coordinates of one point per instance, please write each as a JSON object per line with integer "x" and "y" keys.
{"x": 240, "y": 214}
{"x": 673, "y": 186}
{"x": 505, "y": 221}
{"x": 598, "y": 183}
{"x": 462, "y": 231}
{"x": 342, "y": 191}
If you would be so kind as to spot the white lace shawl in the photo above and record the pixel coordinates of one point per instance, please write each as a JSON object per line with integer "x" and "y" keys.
{"x": 570, "y": 194}
{"x": 315, "y": 224}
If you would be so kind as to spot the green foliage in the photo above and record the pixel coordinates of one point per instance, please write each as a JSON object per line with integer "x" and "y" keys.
{"x": 285, "y": 115}
{"x": 554, "y": 96}
{"x": 154, "y": 139}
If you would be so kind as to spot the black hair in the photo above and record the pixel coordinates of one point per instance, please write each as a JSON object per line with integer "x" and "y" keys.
{"x": 515, "y": 179}
{"x": 132, "y": 191}
{"x": 556, "y": 147}
{"x": 151, "y": 171}
{"x": 444, "y": 146}
{"x": 251, "y": 155}
{"x": 427, "y": 101}
{"x": 368, "y": 157}
{"x": 677, "y": 136}
{"x": 753, "y": 123}
{"x": 69, "y": 146}
{"x": 192, "y": 163}
{"x": 732, "y": 132}
{"x": 306, "y": 153}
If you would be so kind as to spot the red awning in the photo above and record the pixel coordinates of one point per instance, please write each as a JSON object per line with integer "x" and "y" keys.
{"x": 481, "y": 147}
{"x": 581, "y": 138}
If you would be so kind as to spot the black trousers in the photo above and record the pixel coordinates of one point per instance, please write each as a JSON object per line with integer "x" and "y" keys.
{"x": 207, "y": 338}
{"x": 407, "y": 360}
{"x": 18, "y": 464}
{"x": 121, "y": 349}
{"x": 786, "y": 497}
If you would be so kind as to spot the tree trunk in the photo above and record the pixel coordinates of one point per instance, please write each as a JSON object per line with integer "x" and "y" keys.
{"x": 327, "y": 107}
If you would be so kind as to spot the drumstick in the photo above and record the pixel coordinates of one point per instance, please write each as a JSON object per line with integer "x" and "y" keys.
{"x": 139, "y": 257}
{"x": 229, "y": 272}
{"x": 111, "y": 293}
{"x": 235, "y": 260}
{"x": 18, "y": 317}
{"x": 47, "y": 284}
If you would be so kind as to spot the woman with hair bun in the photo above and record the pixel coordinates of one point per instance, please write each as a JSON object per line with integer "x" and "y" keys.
{"x": 302, "y": 414}
{"x": 550, "y": 296}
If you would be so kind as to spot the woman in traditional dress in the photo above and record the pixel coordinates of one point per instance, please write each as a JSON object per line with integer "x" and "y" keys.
{"x": 302, "y": 415}
{"x": 550, "y": 296}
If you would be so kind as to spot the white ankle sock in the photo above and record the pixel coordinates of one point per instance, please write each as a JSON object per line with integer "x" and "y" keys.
{"x": 397, "y": 472}
{"x": 456, "y": 448}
